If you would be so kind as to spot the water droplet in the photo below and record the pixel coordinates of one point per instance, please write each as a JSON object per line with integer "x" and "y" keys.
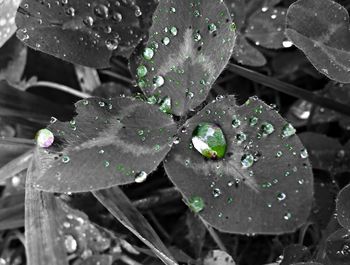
{"x": 65, "y": 159}
{"x": 112, "y": 44}
{"x": 165, "y": 105}
{"x": 88, "y": 21}
{"x": 166, "y": 41}
{"x": 197, "y": 36}
{"x": 158, "y": 81}
{"x": 279, "y": 154}
{"x": 281, "y": 196}
{"x": 241, "y": 137}
{"x": 212, "y": 27}
{"x": 141, "y": 71}
{"x": 70, "y": 243}
{"x": 253, "y": 121}
{"x": 209, "y": 140}
{"x": 216, "y": 192}
{"x": 304, "y": 154}
{"x": 196, "y": 204}
{"x": 148, "y": 54}
{"x": 267, "y": 128}
{"x": 70, "y": 11}
{"x": 236, "y": 122}
{"x": 140, "y": 177}
{"x": 44, "y": 138}
{"x": 173, "y": 31}
{"x": 101, "y": 11}
{"x": 288, "y": 130}
{"x": 287, "y": 44}
{"x": 287, "y": 216}
{"x": 247, "y": 160}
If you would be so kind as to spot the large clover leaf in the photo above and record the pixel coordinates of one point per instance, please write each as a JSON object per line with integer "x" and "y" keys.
{"x": 109, "y": 142}
{"x": 8, "y": 9}
{"x": 263, "y": 184}
{"x": 65, "y": 28}
{"x": 320, "y": 28}
{"x": 189, "y": 45}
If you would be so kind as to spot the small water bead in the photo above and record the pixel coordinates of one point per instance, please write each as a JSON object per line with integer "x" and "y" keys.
{"x": 148, "y": 54}
{"x": 241, "y": 137}
{"x": 209, "y": 140}
{"x": 138, "y": 12}
{"x": 304, "y": 153}
{"x": 65, "y": 159}
{"x": 172, "y": 10}
{"x": 288, "y": 131}
{"x": 236, "y": 122}
{"x": 112, "y": 44}
{"x": 196, "y": 13}
{"x": 158, "y": 81}
{"x": 196, "y": 204}
{"x": 287, "y": 216}
{"x": 216, "y": 192}
{"x": 88, "y": 21}
{"x": 101, "y": 11}
{"x": 212, "y": 27}
{"x": 70, "y": 244}
{"x": 141, "y": 71}
{"x": 44, "y": 138}
{"x": 267, "y": 128}
{"x": 247, "y": 160}
{"x": 197, "y": 36}
{"x": 173, "y": 31}
{"x": 166, "y": 41}
{"x": 281, "y": 196}
{"x": 165, "y": 105}
{"x": 253, "y": 121}
{"x": 233, "y": 26}
{"x": 279, "y": 154}
{"x": 141, "y": 177}
{"x": 106, "y": 163}
{"x": 116, "y": 16}
{"x": 70, "y": 11}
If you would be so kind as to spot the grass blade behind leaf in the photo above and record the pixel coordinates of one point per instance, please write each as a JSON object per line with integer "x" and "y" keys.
{"x": 289, "y": 89}
{"x": 44, "y": 244}
{"x": 121, "y": 208}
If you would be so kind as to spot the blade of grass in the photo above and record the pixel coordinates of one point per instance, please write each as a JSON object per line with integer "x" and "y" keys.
{"x": 289, "y": 89}
{"x": 15, "y": 166}
{"x": 44, "y": 243}
{"x": 122, "y": 209}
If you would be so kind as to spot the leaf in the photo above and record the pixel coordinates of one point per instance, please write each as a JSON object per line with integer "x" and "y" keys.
{"x": 99, "y": 28}
{"x": 320, "y": 28}
{"x": 189, "y": 46}
{"x": 343, "y": 207}
{"x": 218, "y": 257}
{"x": 337, "y": 248}
{"x": 13, "y": 57}
{"x": 122, "y": 209}
{"x": 44, "y": 244}
{"x": 295, "y": 253}
{"x": 244, "y": 53}
{"x": 10, "y": 148}
{"x": 109, "y": 142}
{"x": 8, "y": 9}
{"x": 266, "y": 27}
{"x": 272, "y": 195}
{"x": 16, "y": 165}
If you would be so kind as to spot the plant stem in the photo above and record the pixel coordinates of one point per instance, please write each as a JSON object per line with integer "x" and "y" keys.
{"x": 214, "y": 236}
{"x": 63, "y": 88}
{"x": 289, "y": 89}
{"x": 117, "y": 76}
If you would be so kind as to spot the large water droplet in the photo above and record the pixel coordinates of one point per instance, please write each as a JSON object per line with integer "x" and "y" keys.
{"x": 288, "y": 130}
{"x": 44, "y": 138}
{"x": 148, "y": 54}
{"x": 196, "y": 204}
{"x": 247, "y": 160}
{"x": 101, "y": 11}
{"x": 209, "y": 140}
{"x": 140, "y": 177}
{"x": 70, "y": 243}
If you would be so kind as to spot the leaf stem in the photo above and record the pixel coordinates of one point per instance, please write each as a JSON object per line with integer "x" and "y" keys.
{"x": 62, "y": 88}
{"x": 214, "y": 236}
{"x": 289, "y": 89}
{"x": 117, "y": 76}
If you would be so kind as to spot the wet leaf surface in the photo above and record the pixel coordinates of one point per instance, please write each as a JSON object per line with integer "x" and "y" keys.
{"x": 264, "y": 183}
{"x": 99, "y": 27}
{"x": 320, "y": 28}
{"x": 122, "y": 138}
{"x": 245, "y": 53}
{"x": 181, "y": 59}
{"x": 343, "y": 207}
{"x": 8, "y": 9}
{"x": 338, "y": 248}
{"x": 121, "y": 208}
